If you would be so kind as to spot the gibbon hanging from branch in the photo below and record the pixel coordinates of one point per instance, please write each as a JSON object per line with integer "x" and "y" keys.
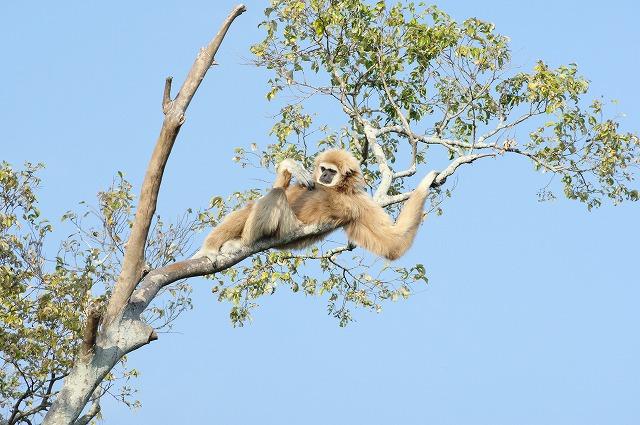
{"x": 334, "y": 195}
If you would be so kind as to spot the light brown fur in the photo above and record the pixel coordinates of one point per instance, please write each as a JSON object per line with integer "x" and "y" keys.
{"x": 342, "y": 203}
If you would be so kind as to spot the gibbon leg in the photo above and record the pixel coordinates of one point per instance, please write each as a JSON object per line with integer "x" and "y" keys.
{"x": 271, "y": 216}
{"x": 230, "y": 228}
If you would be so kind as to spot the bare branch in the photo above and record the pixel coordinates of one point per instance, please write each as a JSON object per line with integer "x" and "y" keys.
{"x": 158, "y": 278}
{"x": 93, "y": 411}
{"x": 166, "y": 98}
{"x": 134, "y": 255}
{"x": 438, "y": 180}
{"x": 15, "y": 413}
{"x": 456, "y": 145}
{"x": 386, "y": 173}
{"x": 23, "y": 416}
{"x": 124, "y": 331}
{"x": 326, "y": 255}
{"x": 395, "y": 199}
{"x": 204, "y": 61}
{"x": 409, "y": 171}
{"x": 453, "y": 166}
{"x": 503, "y": 126}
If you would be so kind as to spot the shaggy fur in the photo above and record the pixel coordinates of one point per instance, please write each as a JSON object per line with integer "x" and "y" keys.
{"x": 344, "y": 203}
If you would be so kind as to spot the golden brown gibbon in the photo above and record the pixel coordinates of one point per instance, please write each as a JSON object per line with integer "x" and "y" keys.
{"x": 335, "y": 196}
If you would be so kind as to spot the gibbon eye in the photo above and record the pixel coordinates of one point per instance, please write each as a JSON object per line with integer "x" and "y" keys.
{"x": 322, "y": 168}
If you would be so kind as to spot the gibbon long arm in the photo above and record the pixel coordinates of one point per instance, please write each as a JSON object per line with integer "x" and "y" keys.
{"x": 375, "y": 231}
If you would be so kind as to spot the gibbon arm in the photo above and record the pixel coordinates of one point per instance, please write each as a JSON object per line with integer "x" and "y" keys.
{"x": 375, "y": 231}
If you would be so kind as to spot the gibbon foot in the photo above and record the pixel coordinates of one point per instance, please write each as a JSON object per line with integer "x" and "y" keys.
{"x": 226, "y": 248}
{"x": 231, "y": 246}
{"x": 202, "y": 253}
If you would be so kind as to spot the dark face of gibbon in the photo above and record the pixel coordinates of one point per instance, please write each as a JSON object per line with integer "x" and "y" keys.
{"x": 328, "y": 175}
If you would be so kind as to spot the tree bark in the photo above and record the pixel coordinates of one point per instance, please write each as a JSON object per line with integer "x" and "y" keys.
{"x": 122, "y": 330}
{"x": 174, "y": 118}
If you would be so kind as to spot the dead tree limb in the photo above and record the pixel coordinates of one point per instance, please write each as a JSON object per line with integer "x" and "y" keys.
{"x": 174, "y": 111}
{"x": 124, "y": 331}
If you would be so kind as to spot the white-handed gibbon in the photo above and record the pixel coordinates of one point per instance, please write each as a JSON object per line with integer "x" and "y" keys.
{"x": 333, "y": 195}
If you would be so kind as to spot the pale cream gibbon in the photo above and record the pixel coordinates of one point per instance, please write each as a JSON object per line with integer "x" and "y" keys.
{"x": 334, "y": 195}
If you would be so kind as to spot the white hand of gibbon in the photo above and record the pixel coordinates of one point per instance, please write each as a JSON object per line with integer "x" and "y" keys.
{"x": 300, "y": 173}
{"x": 427, "y": 181}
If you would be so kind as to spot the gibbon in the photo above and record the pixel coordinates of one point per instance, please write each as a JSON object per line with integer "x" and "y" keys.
{"x": 334, "y": 195}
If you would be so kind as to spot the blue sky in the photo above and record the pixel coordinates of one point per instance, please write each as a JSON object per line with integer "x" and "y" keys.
{"x": 531, "y": 315}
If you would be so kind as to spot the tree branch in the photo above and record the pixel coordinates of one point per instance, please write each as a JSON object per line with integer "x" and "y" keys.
{"x": 166, "y": 97}
{"x": 453, "y": 166}
{"x": 326, "y": 255}
{"x": 456, "y": 145}
{"x": 93, "y": 411}
{"x": 439, "y": 179}
{"x": 204, "y": 61}
{"x": 159, "y": 278}
{"x": 174, "y": 118}
{"x": 386, "y": 174}
{"x": 15, "y": 413}
{"x": 405, "y": 124}
{"x": 504, "y": 126}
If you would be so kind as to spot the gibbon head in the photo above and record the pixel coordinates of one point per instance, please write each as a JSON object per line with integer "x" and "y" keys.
{"x": 338, "y": 169}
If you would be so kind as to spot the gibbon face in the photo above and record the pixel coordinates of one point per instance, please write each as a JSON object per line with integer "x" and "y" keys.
{"x": 328, "y": 174}
{"x": 338, "y": 169}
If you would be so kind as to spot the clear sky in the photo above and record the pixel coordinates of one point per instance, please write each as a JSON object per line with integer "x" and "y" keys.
{"x": 532, "y": 311}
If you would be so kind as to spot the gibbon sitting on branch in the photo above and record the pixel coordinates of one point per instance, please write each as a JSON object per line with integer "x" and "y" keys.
{"x": 334, "y": 196}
